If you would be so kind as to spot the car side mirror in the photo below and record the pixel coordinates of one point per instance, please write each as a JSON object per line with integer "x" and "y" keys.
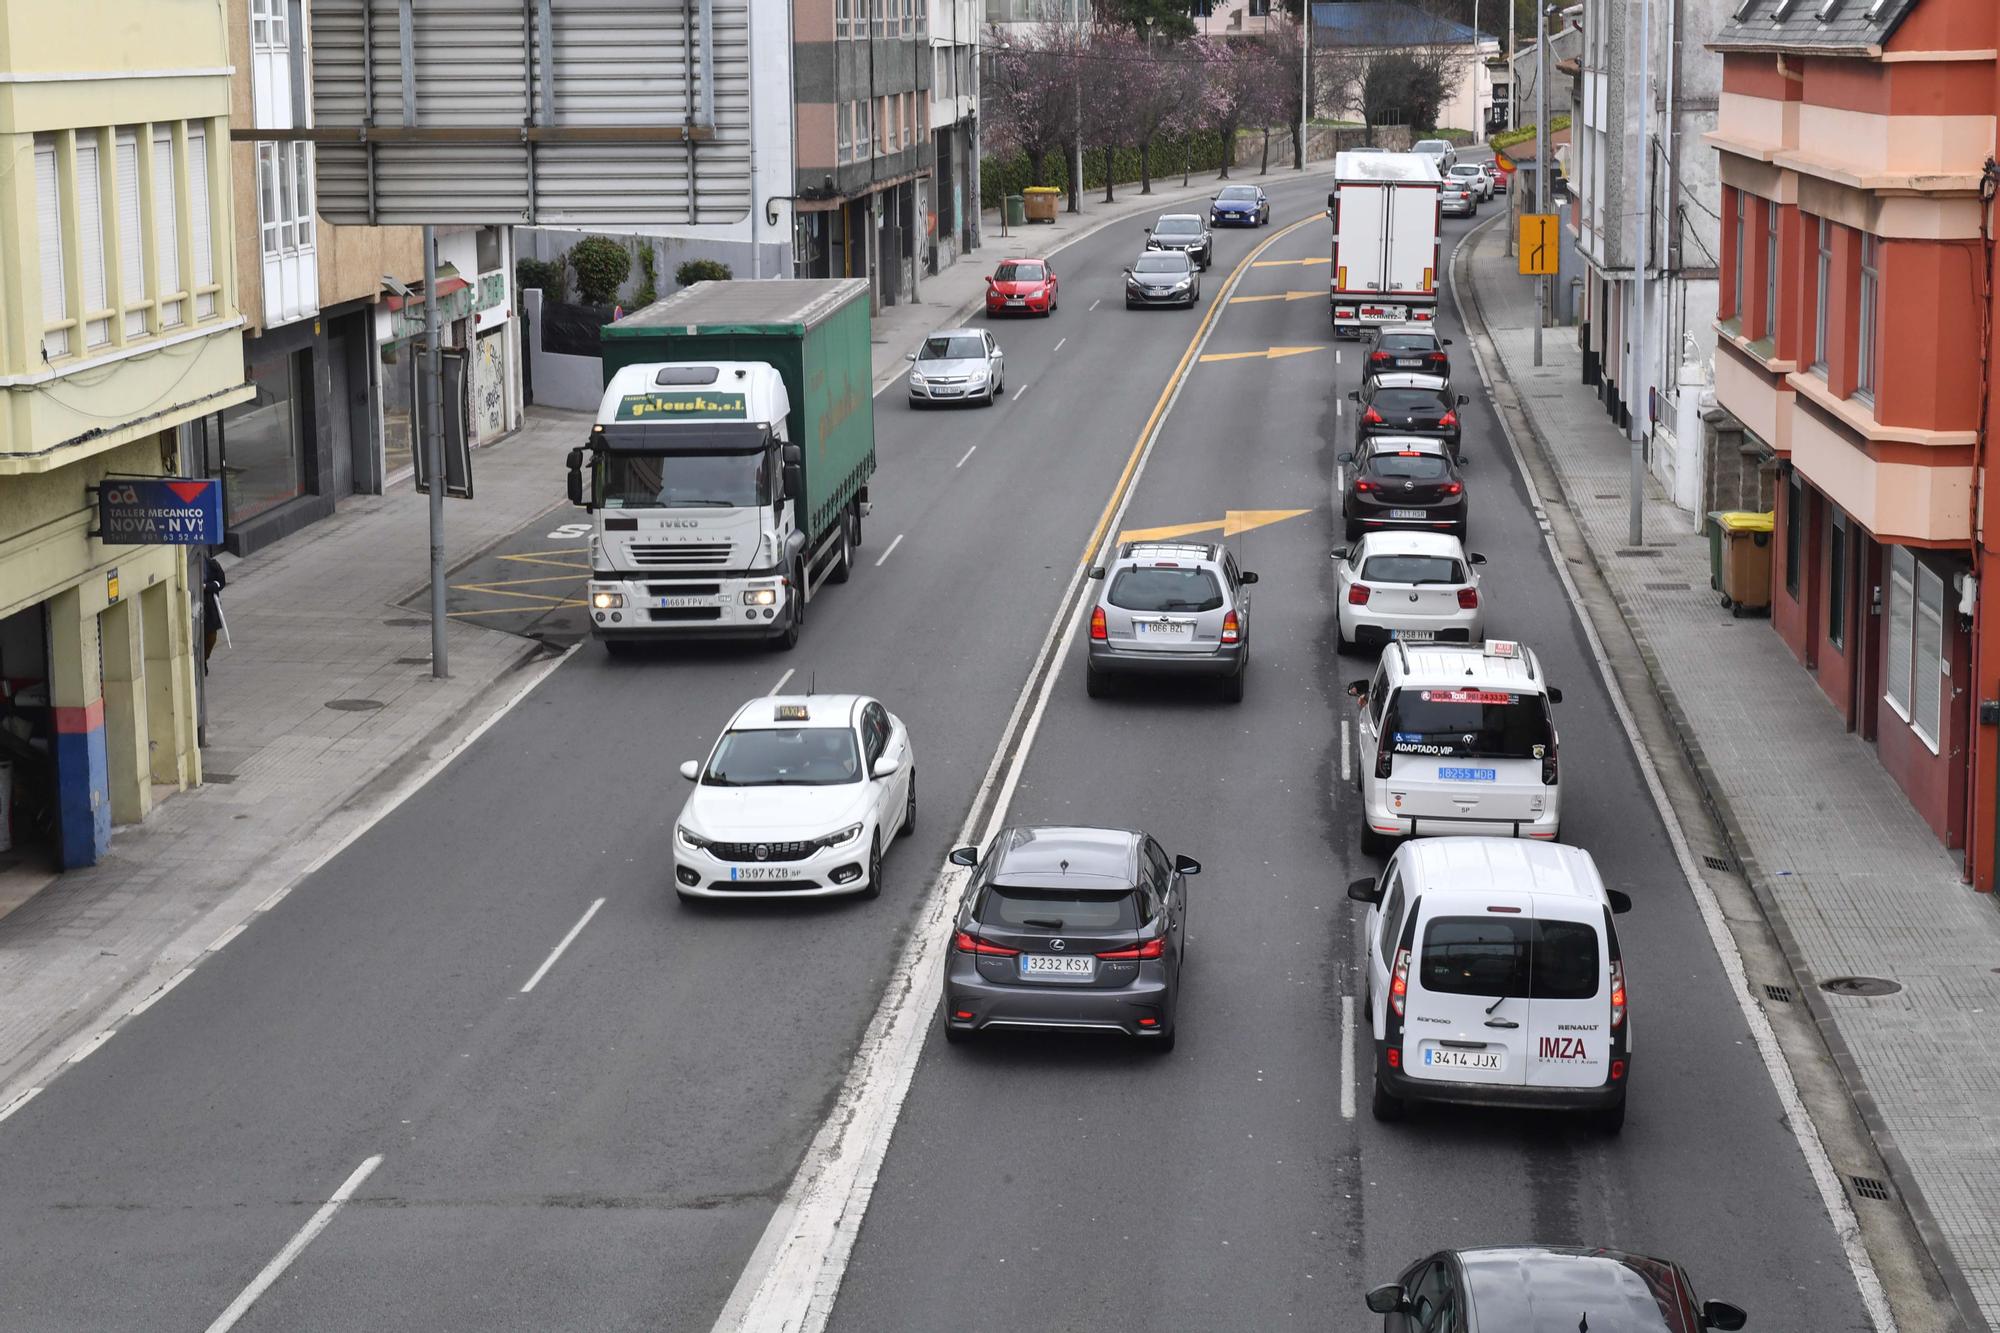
{"x": 1097, "y": 571}
{"x": 1387, "y": 1299}
{"x": 1364, "y": 891}
{"x": 1354, "y": 395}
{"x": 1128, "y": 272}
{"x": 1347, "y": 456}
{"x": 1357, "y": 689}
{"x": 691, "y": 769}
{"x": 1621, "y": 902}
{"x": 1149, "y": 231}
{"x": 1445, "y": 342}
{"x": 1723, "y": 1315}
{"x": 885, "y": 767}
{"x": 1186, "y": 865}
{"x": 1555, "y": 694}
{"x": 1463, "y": 400}
{"x": 989, "y": 280}
{"x": 1341, "y": 552}
{"x": 793, "y": 480}
{"x": 1248, "y": 576}
{"x": 911, "y": 356}
{"x": 1476, "y": 558}
{"x": 964, "y": 856}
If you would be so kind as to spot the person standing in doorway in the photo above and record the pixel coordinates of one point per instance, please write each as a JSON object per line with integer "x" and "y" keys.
{"x": 212, "y": 582}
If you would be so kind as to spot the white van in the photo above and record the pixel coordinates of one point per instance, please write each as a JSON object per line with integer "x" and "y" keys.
{"x": 1456, "y": 740}
{"x": 1495, "y": 979}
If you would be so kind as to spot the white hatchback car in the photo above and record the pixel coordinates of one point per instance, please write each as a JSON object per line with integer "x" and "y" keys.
{"x": 1408, "y": 587}
{"x": 798, "y": 799}
{"x": 1495, "y": 979}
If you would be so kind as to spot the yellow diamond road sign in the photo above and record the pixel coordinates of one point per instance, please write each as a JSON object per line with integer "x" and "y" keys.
{"x": 1541, "y": 242}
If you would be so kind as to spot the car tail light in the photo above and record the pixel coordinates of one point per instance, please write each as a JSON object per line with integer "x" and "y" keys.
{"x": 1358, "y": 594}
{"x": 1399, "y": 982}
{"x": 967, "y": 942}
{"x": 1453, "y": 487}
{"x": 1395, "y": 1058}
{"x": 1232, "y": 629}
{"x": 1373, "y": 357}
{"x": 1153, "y": 948}
{"x": 1363, "y": 484}
{"x": 1372, "y": 417}
{"x": 1468, "y": 599}
{"x": 1437, "y": 358}
{"x": 1617, "y": 991}
{"x": 1384, "y": 757}
{"x": 1098, "y": 631}
{"x": 1617, "y": 1070}
{"x": 1549, "y": 765}
{"x": 1448, "y": 419}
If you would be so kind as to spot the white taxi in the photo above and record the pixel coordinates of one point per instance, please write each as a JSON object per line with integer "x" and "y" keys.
{"x": 798, "y": 799}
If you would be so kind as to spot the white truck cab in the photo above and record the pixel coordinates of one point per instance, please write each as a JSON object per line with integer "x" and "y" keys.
{"x": 1456, "y": 740}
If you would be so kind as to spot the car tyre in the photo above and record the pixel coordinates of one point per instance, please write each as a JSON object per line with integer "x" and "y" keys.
{"x": 1373, "y": 843}
{"x": 1232, "y": 686}
{"x": 1386, "y": 1106}
{"x": 1460, "y": 530}
{"x": 1610, "y": 1119}
{"x": 1353, "y": 532}
{"x": 874, "y": 889}
{"x": 1130, "y": 304}
{"x": 1164, "y": 1043}
{"x": 1095, "y": 683}
{"x": 620, "y": 647}
{"x": 909, "y": 808}
{"x": 788, "y": 639}
{"x": 1346, "y": 644}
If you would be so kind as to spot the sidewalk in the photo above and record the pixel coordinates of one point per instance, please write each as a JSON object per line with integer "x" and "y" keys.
{"x": 1851, "y": 878}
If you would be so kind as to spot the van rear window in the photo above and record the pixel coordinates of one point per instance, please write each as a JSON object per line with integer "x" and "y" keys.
{"x": 1469, "y": 724}
{"x": 1509, "y": 958}
{"x": 1138, "y": 588}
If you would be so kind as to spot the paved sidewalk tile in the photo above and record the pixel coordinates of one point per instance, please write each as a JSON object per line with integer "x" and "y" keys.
{"x": 1861, "y": 884}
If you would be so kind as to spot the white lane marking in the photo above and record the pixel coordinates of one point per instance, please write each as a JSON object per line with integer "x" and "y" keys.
{"x": 550, "y": 961}
{"x": 781, "y": 682}
{"x": 891, "y": 551}
{"x": 1346, "y": 753}
{"x": 91, "y": 1045}
{"x": 1093, "y": 305}
{"x": 293, "y": 1248}
{"x": 1058, "y": 346}
{"x": 223, "y": 939}
{"x": 1833, "y": 1196}
{"x": 1336, "y": 356}
{"x": 795, "y": 1272}
{"x": 1340, "y": 481}
{"x": 968, "y": 453}
{"x": 1347, "y": 1057}
{"x": 276, "y": 897}
{"x": 19, "y": 1102}
{"x": 1340, "y": 407}
{"x": 1018, "y": 392}
{"x": 160, "y": 994}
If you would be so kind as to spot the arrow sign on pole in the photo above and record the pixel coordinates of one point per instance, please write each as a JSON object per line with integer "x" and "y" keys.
{"x": 1268, "y": 354}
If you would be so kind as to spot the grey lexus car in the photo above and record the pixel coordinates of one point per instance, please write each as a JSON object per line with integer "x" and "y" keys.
{"x": 1171, "y": 609}
{"x": 1064, "y": 927}
{"x": 1162, "y": 277}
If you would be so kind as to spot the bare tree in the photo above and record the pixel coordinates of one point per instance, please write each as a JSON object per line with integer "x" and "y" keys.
{"x": 1028, "y": 95}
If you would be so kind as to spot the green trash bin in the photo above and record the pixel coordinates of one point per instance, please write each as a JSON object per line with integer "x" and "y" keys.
{"x": 1714, "y": 530}
{"x": 1017, "y": 214}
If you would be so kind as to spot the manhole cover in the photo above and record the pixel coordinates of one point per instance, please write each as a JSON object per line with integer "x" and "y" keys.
{"x": 405, "y": 623}
{"x": 354, "y": 705}
{"x": 1860, "y": 986}
{"x": 1714, "y": 862}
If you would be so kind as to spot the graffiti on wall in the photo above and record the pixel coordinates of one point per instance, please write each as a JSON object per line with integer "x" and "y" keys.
{"x": 489, "y": 387}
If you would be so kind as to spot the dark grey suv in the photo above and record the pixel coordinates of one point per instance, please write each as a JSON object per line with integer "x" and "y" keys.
{"x": 1520, "y": 1287}
{"x": 1171, "y": 609}
{"x": 1064, "y": 927}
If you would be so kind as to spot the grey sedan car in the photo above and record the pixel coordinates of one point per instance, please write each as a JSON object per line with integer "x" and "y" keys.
{"x": 1062, "y": 927}
{"x": 1171, "y": 609}
{"x": 955, "y": 366}
{"x": 1162, "y": 277}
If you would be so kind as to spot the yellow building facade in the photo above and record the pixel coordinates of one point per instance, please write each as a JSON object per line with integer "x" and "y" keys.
{"x": 119, "y": 325}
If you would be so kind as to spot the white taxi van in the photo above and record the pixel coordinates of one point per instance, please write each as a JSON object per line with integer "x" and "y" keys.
{"x": 1495, "y": 979}
{"x": 1456, "y": 740}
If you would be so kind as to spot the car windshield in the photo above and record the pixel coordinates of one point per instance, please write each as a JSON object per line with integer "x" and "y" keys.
{"x": 682, "y": 481}
{"x": 953, "y": 347}
{"x": 1177, "y": 227}
{"x": 1175, "y": 263}
{"x": 1412, "y": 569}
{"x": 1057, "y": 909}
{"x": 1465, "y": 172}
{"x": 1018, "y": 272}
{"x": 1135, "y": 588}
{"x": 1512, "y": 958}
{"x": 788, "y": 757}
{"x": 1244, "y": 192}
{"x": 1431, "y": 146}
{"x": 1407, "y": 342}
{"x": 1468, "y": 724}
{"x": 1407, "y": 401}
{"x": 1408, "y": 467}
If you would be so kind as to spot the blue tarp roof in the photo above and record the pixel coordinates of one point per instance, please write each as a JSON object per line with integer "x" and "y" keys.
{"x": 1384, "y": 23}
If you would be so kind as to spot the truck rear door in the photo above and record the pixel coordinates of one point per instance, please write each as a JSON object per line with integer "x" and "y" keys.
{"x": 1411, "y": 232}
{"x": 1359, "y": 235}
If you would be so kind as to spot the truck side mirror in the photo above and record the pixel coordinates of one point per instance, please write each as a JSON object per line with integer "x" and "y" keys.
{"x": 575, "y": 462}
{"x": 794, "y": 456}
{"x": 1555, "y": 694}
{"x": 1621, "y": 902}
{"x": 793, "y": 479}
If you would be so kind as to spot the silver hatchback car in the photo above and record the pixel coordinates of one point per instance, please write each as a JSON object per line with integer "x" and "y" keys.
{"x": 1171, "y": 609}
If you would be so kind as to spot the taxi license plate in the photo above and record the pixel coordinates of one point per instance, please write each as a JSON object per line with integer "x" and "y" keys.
{"x": 1468, "y": 775}
{"x": 1462, "y": 1059}
{"x": 1406, "y": 513}
{"x": 666, "y": 602}
{"x": 1058, "y": 965}
{"x": 760, "y": 872}
{"x": 1414, "y": 635}
{"x": 1164, "y": 629}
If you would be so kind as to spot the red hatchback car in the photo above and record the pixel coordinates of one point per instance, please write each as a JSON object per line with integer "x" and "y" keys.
{"x": 1021, "y": 287}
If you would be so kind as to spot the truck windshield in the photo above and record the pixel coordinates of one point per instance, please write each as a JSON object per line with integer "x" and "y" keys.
{"x": 683, "y": 481}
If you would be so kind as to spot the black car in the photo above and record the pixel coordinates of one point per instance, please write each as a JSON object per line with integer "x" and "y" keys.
{"x": 1403, "y": 481}
{"x": 1239, "y": 206}
{"x": 1409, "y": 348}
{"x": 1402, "y": 404}
{"x": 1183, "y": 231}
{"x": 1162, "y": 277}
{"x": 1066, "y": 927}
{"x": 1521, "y": 1287}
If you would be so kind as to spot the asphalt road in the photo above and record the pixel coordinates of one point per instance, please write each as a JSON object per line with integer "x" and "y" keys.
{"x": 604, "y": 1151}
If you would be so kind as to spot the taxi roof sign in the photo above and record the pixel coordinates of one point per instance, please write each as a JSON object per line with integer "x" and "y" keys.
{"x": 1502, "y": 648}
{"x": 793, "y": 713}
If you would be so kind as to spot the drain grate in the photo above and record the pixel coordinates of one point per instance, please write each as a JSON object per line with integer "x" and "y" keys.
{"x": 1667, "y": 587}
{"x": 1870, "y": 1188}
{"x": 1638, "y": 551}
{"x": 414, "y": 661}
{"x": 405, "y": 623}
{"x": 1607, "y": 495}
{"x": 1860, "y": 986}
{"x": 1782, "y": 994}
{"x": 354, "y": 705}
{"x": 1714, "y": 862}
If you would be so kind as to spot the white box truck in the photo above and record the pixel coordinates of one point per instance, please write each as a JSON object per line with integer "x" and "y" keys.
{"x": 1386, "y": 210}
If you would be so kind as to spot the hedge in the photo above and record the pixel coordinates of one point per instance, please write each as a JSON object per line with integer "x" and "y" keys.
{"x": 1508, "y": 138}
{"x": 1002, "y": 176}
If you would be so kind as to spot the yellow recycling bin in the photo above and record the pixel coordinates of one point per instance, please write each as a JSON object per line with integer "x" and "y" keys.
{"x": 1041, "y": 202}
{"x": 1746, "y": 561}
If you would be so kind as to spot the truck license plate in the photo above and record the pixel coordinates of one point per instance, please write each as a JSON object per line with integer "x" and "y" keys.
{"x": 667, "y": 602}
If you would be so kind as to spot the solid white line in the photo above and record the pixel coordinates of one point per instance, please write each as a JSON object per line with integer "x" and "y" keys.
{"x": 19, "y": 1102}
{"x": 228, "y": 935}
{"x": 1058, "y": 346}
{"x": 160, "y": 994}
{"x": 1346, "y": 753}
{"x": 91, "y": 1045}
{"x": 1833, "y": 1196}
{"x": 1018, "y": 392}
{"x": 550, "y": 961}
{"x": 781, "y": 682}
{"x": 293, "y": 1248}
{"x": 890, "y": 551}
{"x": 795, "y": 1272}
{"x": 1347, "y": 1057}
{"x": 1093, "y": 305}
{"x": 968, "y": 453}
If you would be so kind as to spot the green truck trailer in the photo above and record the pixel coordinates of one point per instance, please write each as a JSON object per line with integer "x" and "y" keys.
{"x": 728, "y": 467}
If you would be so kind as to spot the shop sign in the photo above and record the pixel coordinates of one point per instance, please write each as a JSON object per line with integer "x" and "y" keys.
{"x": 409, "y": 321}
{"x": 160, "y": 511}
{"x": 492, "y": 290}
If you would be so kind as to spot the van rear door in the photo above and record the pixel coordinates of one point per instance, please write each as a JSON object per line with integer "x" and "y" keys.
{"x": 1466, "y": 1018}
{"x": 1468, "y": 754}
{"x": 1569, "y": 996}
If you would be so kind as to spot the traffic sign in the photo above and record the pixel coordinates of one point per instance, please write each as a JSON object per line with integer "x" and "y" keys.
{"x": 1540, "y": 244}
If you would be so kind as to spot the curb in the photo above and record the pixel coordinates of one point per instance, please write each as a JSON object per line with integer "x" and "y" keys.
{"x": 1735, "y": 836}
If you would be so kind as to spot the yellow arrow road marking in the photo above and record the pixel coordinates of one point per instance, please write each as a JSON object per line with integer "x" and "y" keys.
{"x": 1232, "y": 523}
{"x": 1167, "y": 533}
{"x": 1276, "y": 296}
{"x": 1281, "y": 263}
{"x": 1268, "y": 354}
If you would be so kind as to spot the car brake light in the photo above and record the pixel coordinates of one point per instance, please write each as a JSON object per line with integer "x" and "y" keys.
{"x": 1378, "y": 356}
{"x": 1098, "y": 632}
{"x": 1372, "y": 417}
{"x": 1468, "y": 599}
{"x": 1358, "y": 594}
{"x": 1453, "y": 487}
{"x": 1153, "y": 948}
{"x": 1399, "y": 983}
{"x": 966, "y": 942}
{"x": 1232, "y": 628}
{"x": 1384, "y": 757}
{"x": 1363, "y": 484}
{"x": 1448, "y": 419}
{"x": 1617, "y": 991}
{"x": 1549, "y": 765}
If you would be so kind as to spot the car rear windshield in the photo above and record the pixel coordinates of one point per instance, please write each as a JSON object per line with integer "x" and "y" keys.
{"x": 1407, "y": 401}
{"x": 1057, "y": 909}
{"x": 1409, "y": 467}
{"x": 1016, "y": 272}
{"x": 1412, "y": 569}
{"x": 1509, "y": 958}
{"x": 1177, "y": 227}
{"x": 788, "y": 757}
{"x": 1408, "y": 342}
{"x": 1139, "y": 589}
{"x": 1468, "y": 724}
{"x": 1156, "y": 263}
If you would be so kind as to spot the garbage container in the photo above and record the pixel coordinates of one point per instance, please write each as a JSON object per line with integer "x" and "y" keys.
{"x": 1746, "y": 561}
{"x": 1714, "y": 530}
{"x": 1042, "y": 201}
{"x": 1012, "y": 206}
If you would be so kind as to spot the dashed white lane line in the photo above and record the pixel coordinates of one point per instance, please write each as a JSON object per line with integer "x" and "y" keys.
{"x": 222, "y": 940}
{"x": 293, "y": 1248}
{"x": 1016, "y": 397}
{"x": 160, "y": 994}
{"x": 879, "y": 560}
{"x": 1347, "y": 1057}
{"x": 84, "y": 1050}
{"x": 1058, "y": 346}
{"x": 961, "y": 462}
{"x": 19, "y": 1102}
{"x": 1339, "y": 407}
{"x": 1346, "y": 752}
{"x": 789, "y": 671}
{"x": 1336, "y": 356}
{"x": 1093, "y": 304}
{"x": 550, "y": 961}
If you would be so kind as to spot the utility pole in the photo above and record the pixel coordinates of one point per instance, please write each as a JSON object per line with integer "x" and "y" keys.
{"x": 1642, "y": 216}
{"x": 1545, "y": 157}
{"x": 1478, "y": 64}
{"x": 1305, "y": 76}
{"x": 1076, "y": 107}
{"x": 1513, "y": 89}
{"x": 433, "y": 445}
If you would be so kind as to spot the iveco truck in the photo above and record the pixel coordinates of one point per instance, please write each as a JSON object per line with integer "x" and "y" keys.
{"x": 1386, "y": 210}
{"x": 728, "y": 468}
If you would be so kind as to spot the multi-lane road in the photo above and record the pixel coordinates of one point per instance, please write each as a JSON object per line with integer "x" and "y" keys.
{"x": 606, "y": 1148}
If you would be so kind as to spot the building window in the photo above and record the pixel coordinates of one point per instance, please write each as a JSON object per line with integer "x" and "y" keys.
{"x": 267, "y": 24}
{"x": 56, "y": 322}
{"x": 843, "y": 18}
{"x": 284, "y": 196}
{"x": 131, "y": 243}
{"x": 1836, "y": 580}
{"x": 1771, "y": 269}
{"x": 90, "y": 242}
{"x": 1871, "y": 317}
{"x": 879, "y": 10}
{"x": 1795, "y": 526}
{"x": 914, "y": 15}
{"x": 206, "y": 289}
{"x": 1737, "y": 256}
{"x": 166, "y": 232}
{"x": 864, "y": 129}
{"x": 1822, "y": 285}
{"x": 262, "y": 453}
{"x": 843, "y": 129}
{"x": 1913, "y": 666}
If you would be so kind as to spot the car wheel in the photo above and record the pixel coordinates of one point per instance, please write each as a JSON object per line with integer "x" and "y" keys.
{"x": 1386, "y": 1106}
{"x": 909, "y": 809}
{"x": 1353, "y": 532}
{"x": 1373, "y": 843}
{"x": 1096, "y": 684}
{"x": 1460, "y": 530}
{"x": 874, "y": 889}
{"x": 1164, "y": 1043}
{"x": 789, "y": 638}
{"x": 1232, "y": 686}
{"x": 1130, "y": 304}
{"x": 1611, "y": 1119}
{"x": 843, "y": 564}
{"x": 1346, "y": 644}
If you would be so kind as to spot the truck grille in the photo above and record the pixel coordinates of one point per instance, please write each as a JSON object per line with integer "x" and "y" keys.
{"x": 682, "y": 589}
{"x": 747, "y": 851}
{"x": 671, "y": 614}
{"x": 681, "y": 556}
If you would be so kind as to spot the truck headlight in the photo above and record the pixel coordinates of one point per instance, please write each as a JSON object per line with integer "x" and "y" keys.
{"x": 761, "y": 597}
{"x": 605, "y": 601}
{"x": 693, "y": 841}
{"x": 846, "y": 835}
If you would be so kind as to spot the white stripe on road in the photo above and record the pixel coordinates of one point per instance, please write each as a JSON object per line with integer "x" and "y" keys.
{"x": 1058, "y": 346}
{"x": 92, "y": 1044}
{"x": 781, "y": 682}
{"x": 1336, "y": 356}
{"x": 19, "y": 1102}
{"x": 1347, "y": 1057}
{"x": 160, "y": 994}
{"x": 891, "y": 551}
{"x": 1346, "y": 753}
{"x": 223, "y": 939}
{"x": 550, "y": 961}
{"x": 1340, "y": 407}
{"x": 1093, "y": 305}
{"x": 293, "y": 1248}
{"x": 961, "y": 462}
{"x": 1018, "y": 392}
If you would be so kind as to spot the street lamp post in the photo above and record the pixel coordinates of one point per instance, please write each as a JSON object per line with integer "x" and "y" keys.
{"x": 1642, "y": 218}
{"x": 1545, "y": 157}
{"x": 1305, "y": 76}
